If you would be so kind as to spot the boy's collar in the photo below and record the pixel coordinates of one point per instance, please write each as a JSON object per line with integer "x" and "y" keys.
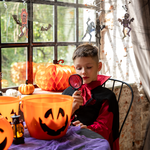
{"x": 86, "y": 88}
{"x": 101, "y": 79}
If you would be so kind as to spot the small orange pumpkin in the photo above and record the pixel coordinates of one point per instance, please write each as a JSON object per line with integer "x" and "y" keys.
{"x": 26, "y": 89}
{"x": 6, "y": 134}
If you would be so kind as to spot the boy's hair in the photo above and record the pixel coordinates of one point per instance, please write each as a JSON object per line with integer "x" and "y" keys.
{"x": 86, "y": 50}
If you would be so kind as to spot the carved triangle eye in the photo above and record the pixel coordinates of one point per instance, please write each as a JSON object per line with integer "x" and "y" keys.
{"x": 61, "y": 111}
{"x": 48, "y": 113}
{"x": 1, "y": 130}
{"x": 12, "y": 112}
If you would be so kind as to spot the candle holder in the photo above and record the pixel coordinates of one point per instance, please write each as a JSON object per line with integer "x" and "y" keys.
{"x": 18, "y": 130}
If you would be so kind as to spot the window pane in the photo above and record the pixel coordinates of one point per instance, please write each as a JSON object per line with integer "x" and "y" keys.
{"x": 42, "y": 56}
{"x": 11, "y": 32}
{"x": 68, "y": 1}
{"x": 43, "y": 24}
{"x": 87, "y": 25}
{"x": 13, "y": 66}
{"x": 88, "y": 2}
{"x": 65, "y": 53}
{"x": 66, "y": 24}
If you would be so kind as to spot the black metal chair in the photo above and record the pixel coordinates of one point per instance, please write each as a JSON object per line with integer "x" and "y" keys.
{"x": 114, "y": 81}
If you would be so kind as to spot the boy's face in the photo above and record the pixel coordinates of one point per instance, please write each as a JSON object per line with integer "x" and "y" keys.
{"x": 87, "y": 68}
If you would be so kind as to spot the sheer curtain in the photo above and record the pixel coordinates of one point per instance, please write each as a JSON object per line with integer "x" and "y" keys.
{"x": 116, "y": 52}
{"x": 140, "y": 9}
{"x": 141, "y": 47}
{"x": 128, "y": 58}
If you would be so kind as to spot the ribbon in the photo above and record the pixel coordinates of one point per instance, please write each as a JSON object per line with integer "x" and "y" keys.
{"x": 86, "y": 88}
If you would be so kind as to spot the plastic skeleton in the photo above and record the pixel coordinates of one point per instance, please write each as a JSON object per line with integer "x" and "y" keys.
{"x": 23, "y": 24}
{"x": 126, "y": 21}
{"x": 24, "y": 17}
{"x": 98, "y": 29}
{"x": 90, "y": 28}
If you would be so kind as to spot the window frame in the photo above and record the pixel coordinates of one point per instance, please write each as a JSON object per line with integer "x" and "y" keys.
{"x": 30, "y": 44}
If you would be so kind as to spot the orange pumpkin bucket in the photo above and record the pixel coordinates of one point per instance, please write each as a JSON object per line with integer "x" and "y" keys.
{"x": 6, "y": 134}
{"x": 7, "y": 105}
{"x": 47, "y": 116}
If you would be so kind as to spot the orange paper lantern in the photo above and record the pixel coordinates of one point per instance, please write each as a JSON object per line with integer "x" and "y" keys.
{"x": 47, "y": 116}
{"x": 54, "y": 77}
{"x": 6, "y": 134}
{"x": 18, "y": 72}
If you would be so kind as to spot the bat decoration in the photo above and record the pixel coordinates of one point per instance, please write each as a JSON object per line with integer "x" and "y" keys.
{"x": 46, "y": 28}
{"x": 16, "y": 20}
{"x": 98, "y": 29}
{"x": 126, "y": 21}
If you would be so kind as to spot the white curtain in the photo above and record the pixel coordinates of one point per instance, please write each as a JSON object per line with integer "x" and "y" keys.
{"x": 141, "y": 47}
{"x": 140, "y": 9}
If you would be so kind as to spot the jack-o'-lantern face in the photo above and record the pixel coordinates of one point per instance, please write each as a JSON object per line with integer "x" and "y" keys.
{"x": 4, "y": 142}
{"x": 6, "y": 134}
{"x": 47, "y": 116}
{"x": 50, "y": 131}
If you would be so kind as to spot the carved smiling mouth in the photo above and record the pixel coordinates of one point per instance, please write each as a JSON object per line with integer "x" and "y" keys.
{"x": 3, "y": 144}
{"x": 50, "y": 131}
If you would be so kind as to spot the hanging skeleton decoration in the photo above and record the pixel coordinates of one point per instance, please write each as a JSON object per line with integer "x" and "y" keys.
{"x": 98, "y": 29}
{"x": 90, "y": 28}
{"x": 126, "y": 21}
{"x": 23, "y": 23}
{"x": 24, "y": 18}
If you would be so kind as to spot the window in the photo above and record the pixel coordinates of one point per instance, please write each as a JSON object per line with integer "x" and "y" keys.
{"x": 54, "y": 29}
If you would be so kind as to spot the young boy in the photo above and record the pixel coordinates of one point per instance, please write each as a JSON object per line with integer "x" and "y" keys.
{"x": 94, "y": 107}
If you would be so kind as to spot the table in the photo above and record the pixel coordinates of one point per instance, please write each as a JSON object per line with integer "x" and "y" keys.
{"x": 75, "y": 139}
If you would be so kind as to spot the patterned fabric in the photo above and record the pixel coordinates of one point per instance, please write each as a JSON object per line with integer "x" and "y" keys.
{"x": 71, "y": 141}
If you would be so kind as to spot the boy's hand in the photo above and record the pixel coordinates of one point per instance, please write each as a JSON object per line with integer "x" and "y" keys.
{"x": 78, "y": 123}
{"x": 77, "y": 101}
